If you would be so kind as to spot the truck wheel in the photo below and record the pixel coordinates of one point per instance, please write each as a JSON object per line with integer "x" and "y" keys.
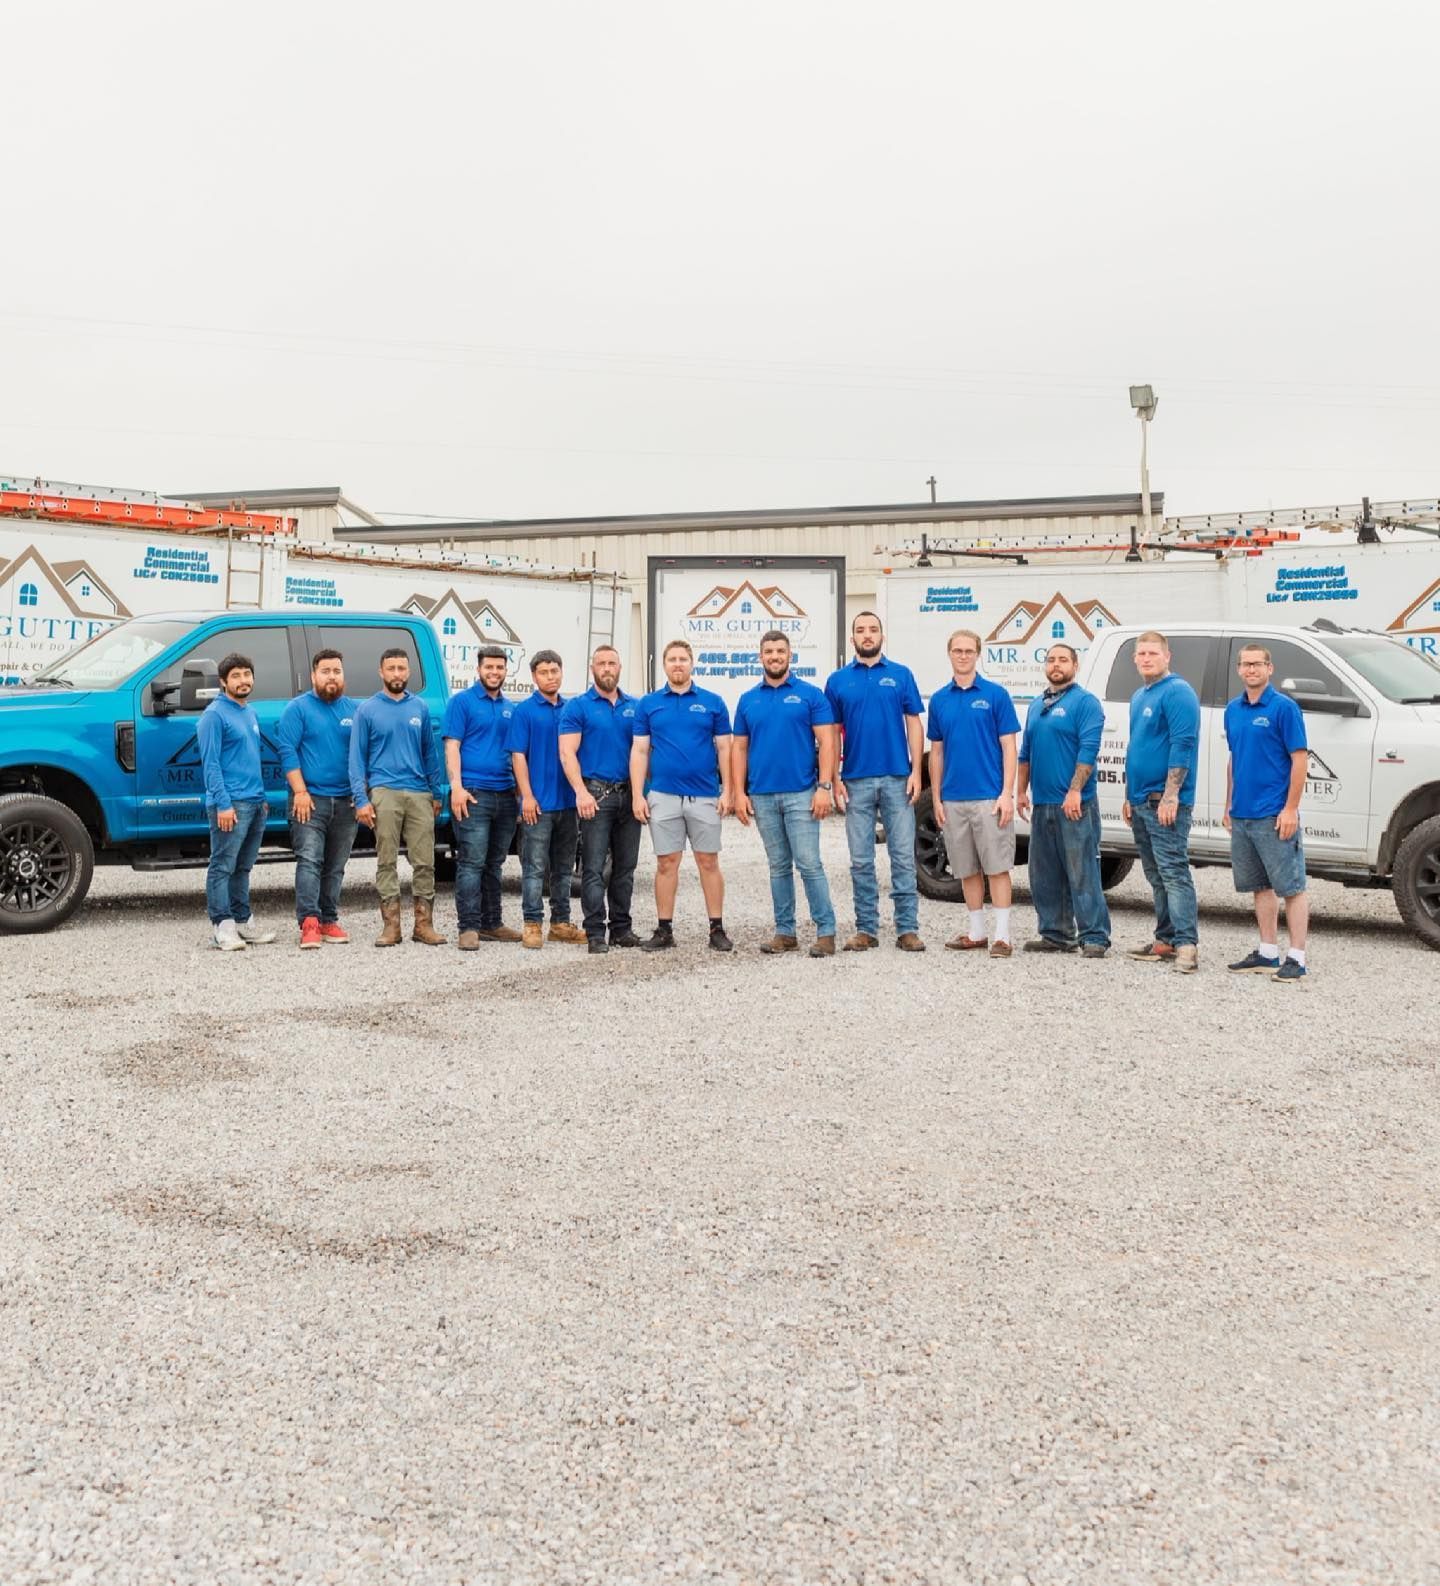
{"x": 932, "y": 867}
{"x": 1114, "y": 868}
{"x": 46, "y": 862}
{"x": 1417, "y": 881}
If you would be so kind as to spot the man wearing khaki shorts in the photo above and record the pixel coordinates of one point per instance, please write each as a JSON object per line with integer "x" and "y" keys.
{"x": 973, "y": 731}
{"x": 682, "y": 746}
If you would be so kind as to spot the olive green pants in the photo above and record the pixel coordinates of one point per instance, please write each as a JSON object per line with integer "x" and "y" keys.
{"x": 407, "y": 818}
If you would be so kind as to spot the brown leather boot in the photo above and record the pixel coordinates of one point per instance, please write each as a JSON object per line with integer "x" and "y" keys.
{"x": 780, "y": 944}
{"x": 390, "y": 933}
{"x": 564, "y": 931}
{"x": 425, "y": 932}
{"x": 824, "y": 947}
{"x": 861, "y": 942}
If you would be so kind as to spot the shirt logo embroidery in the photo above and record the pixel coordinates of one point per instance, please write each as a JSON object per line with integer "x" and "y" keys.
{"x": 1147, "y": 711}
{"x": 793, "y": 699}
{"x": 979, "y": 704}
{"x": 414, "y": 721}
{"x": 887, "y": 682}
{"x": 1059, "y": 710}
{"x": 346, "y": 721}
{"x": 1261, "y": 721}
{"x": 699, "y": 708}
{"x": 628, "y": 711}
{"x": 507, "y": 714}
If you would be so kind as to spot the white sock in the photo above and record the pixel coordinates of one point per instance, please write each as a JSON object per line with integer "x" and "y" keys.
{"x": 1270, "y": 950}
{"x": 1002, "y": 925}
{"x": 977, "y": 925}
{"x": 1298, "y": 954}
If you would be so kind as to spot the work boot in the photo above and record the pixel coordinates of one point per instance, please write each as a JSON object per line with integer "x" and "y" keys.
{"x": 780, "y": 944}
{"x": 661, "y": 941}
{"x": 499, "y": 933}
{"x": 861, "y": 942}
{"x": 390, "y": 934}
{"x": 468, "y": 942}
{"x": 534, "y": 934}
{"x": 598, "y": 945}
{"x": 1187, "y": 960}
{"x": 909, "y": 942}
{"x": 626, "y": 939}
{"x": 824, "y": 947}
{"x": 425, "y": 932}
{"x": 564, "y": 931}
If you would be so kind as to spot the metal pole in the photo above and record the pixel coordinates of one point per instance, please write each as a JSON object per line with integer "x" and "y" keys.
{"x": 1134, "y": 552}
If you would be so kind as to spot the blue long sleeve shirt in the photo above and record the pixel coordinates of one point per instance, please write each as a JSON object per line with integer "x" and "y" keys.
{"x": 1164, "y": 733}
{"x": 229, "y": 739}
{"x": 314, "y": 738}
{"x": 392, "y": 744}
{"x": 1062, "y": 731}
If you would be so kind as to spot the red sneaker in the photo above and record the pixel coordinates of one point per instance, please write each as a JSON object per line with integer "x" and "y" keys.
{"x": 333, "y": 933}
{"x": 310, "y": 933}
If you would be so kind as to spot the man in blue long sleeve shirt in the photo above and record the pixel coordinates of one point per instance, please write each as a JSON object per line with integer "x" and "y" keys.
{"x": 228, "y": 735}
{"x": 1161, "y": 766}
{"x": 397, "y": 779}
{"x": 314, "y": 736}
{"x": 1057, "y": 767}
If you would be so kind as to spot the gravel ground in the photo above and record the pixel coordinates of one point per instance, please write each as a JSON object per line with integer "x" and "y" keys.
{"x": 341, "y": 1267}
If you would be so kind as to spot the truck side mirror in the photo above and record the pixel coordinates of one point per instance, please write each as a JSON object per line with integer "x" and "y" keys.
{"x": 1319, "y": 703}
{"x": 199, "y": 683}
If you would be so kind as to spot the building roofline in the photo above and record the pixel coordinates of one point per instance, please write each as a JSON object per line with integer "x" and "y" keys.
{"x": 765, "y": 518}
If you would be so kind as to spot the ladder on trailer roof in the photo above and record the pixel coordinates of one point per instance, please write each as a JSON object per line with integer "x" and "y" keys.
{"x": 244, "y": 572}
{"x": 603, "y": 603}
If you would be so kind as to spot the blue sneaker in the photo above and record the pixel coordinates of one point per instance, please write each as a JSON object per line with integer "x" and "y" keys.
{"x": 1254, "y": 963}
{"x": 1289, "y": 972}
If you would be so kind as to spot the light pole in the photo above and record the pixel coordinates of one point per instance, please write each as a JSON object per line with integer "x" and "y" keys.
{"x": 1144, "y": 401}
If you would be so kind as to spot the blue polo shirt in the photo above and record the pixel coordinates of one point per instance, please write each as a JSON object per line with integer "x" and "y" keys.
{"x": 1062, "y": 731}
{"x": 970, "y": 722}
{"x": 229, "y": 738}
{"x": 479, "y": 723}
{"x": 871, "y": 704}
{"x": 1262, "y": 737}
{"x": 780, "y": 721}
{"x": 534, "y": 731}
{"x": 314, "y": 738}
{"x": 1164, "y": 732}
{"x": 682, "y": 729}
{"x": 606, "y": 731}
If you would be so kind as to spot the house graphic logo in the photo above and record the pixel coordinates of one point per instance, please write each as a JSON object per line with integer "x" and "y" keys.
{"x": 464, "y": 627}
{"x": 1322, "y": 786}
{"x": 1422, "y": 615}
{"x": 1049, "y": 620}
{"x": 746, "y": 600}
{"x": 47, "y": 608}
{"x": 183, "y": 772}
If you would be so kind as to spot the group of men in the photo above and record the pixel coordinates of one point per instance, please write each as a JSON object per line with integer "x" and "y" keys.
{"x": 592, "y": 770}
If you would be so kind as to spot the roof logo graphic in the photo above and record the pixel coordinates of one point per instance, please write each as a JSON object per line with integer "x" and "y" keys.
{"x": 1056, "y": 618}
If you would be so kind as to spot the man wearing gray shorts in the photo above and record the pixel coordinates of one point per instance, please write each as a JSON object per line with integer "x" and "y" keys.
{"x": 682, "y": 748}
{"x": 973, "y": 730}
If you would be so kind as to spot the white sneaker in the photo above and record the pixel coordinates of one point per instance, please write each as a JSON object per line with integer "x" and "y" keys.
{"x": 227, "y": 937}
{"x": 256, "y": 935}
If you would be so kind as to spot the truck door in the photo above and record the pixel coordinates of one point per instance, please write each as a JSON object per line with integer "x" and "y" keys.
{"x": 1335, "y": 807}
{"x": 170, "y": 783}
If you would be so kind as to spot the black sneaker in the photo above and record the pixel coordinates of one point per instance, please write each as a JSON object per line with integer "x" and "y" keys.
{"x": 1043, "y": 944}
{"x": 1289, "y": 972}
{"x": 598, "y": 944}
{"x": 626, "y": 939}
{"x": 659, "y": 942}
{"x": 1094, "y": 950}
{"x": 1254, "y": 963}
{"x": 720, "y": 942}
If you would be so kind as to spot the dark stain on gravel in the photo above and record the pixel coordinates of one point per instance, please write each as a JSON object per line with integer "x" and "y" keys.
{"x": 179, "y": 1062}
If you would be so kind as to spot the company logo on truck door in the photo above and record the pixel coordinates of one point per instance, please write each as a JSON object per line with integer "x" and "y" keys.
{"x": 47, "y": 608}
{"x": 464, "y": 628}
{"x": 1322, "y": 786}
{"x": 183, "y": 772}
{"x": 1419, "y": 623}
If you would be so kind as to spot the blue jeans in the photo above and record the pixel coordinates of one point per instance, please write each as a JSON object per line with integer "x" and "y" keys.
{"x": 322, "y": 848}
{"x": 482, "y": 841}
{"x": 791, "y": 835}
{"x": 884, "y": 796}
{"x": 1165, "y": 857}
{"x": 1064, "y": 868}
{"x": 612, "y": 830}
{"x": 547, "y": 846}
{"x": 232, "y": 854}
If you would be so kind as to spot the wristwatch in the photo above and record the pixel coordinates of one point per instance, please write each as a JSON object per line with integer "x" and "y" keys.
{"x": 825, "y": 787}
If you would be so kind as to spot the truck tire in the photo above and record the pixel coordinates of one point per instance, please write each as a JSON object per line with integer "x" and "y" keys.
{"x": 1417, "y": 881}
{"x": 932, "y": 866}
{"x": 1114, "y": 868}
{"x": 46, "y": 862}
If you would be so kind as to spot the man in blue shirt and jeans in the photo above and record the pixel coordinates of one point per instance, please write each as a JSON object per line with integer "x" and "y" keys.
{"x": 1269, "y": 761}
{"x": 877, "y": 706}
{"x": 1161, "y": 765}
{"x": 547, "y": 806}
{"x": 1057, "y": 768}
{"x": 784, "y": 735}
{"x": 228, "y": 735}
{"x": 314, "y": 736}
{"x": 597, "y": 729}
{"x": 483, "y": 801}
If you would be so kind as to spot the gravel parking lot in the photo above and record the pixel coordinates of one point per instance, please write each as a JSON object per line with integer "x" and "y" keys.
{"x": 511, "y": 1267}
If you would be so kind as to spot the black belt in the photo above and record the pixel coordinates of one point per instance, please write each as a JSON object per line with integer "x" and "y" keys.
{"x": 599, "y": 788}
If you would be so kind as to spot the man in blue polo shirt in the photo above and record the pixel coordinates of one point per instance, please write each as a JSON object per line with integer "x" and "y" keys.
{"x": 1161, "y": 765}
{"x": 1269, "y": 761}
{"x": 597, "y": 729}
{"x": 682, "y": 748}
{"x": 973, "y": 729}
{"x": 483, "y": 802}
{"x": 877, "y": 707}
{"x": 784, "y": 736}
{"x": 547, "y": 806}
{"x": 314, "y": 738}
{"x": 1057, "y": 768}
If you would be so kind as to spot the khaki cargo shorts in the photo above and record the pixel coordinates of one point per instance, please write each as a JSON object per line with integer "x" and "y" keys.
{"x": 975, "y": 841}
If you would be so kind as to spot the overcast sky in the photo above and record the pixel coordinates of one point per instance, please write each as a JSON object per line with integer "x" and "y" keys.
{"x": 511, "y": 260}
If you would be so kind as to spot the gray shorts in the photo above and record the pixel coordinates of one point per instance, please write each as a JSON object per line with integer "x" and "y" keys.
{"x": 975, "y": 841}
{"x": 673, "y": 819}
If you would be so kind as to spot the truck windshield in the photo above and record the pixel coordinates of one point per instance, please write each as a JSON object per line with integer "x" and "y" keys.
{"x": 1400, "y": 673}
{"x": 110, "y": 657}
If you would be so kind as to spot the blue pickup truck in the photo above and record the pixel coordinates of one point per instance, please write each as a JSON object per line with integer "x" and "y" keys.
{"x": 98, "y": 758}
